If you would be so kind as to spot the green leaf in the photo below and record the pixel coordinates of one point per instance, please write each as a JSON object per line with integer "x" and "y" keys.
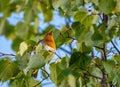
{"x": 79, "y": 60}
{"x": 69, "y": 71}
{"x": 95, "y": 19}
{"x": 7, "y": 29}
{"x": 3, "y": 5}
{"x": 29, "y": 32}
{"x": 22, "y": 60}
{"x": 113, "y": 27}
{"x": 96, "y": 2}
{"x": 113, "y": 32}
{"x": 16, "y": 43}
{"x": 64, "y": 63}
{"x": 95, "y": 71}
{"x": 19, "y": 81}
{"x": 71, "y": 81}
{"x": 66, "y": 71}
{"x": 31, "y": 44}
{"x": 47, "y": 12}
{"x": 32, "y": 82}
{"x": 109, "y": 65}
{"x": 24, "y": 80}
{"x": 23, "y": 47}
{"x": 80, "y": 15}
{"x": 96, "y": 36}
{"x": 8, "y": 69}
{"x": 117, "y": 8}
{"x": 102, "y": 31}
{"x": 78, "y": 2}
{"x": 44, "y": 74}
{"x": 107, "y": 6}
{"x": 112, "y": 22}
{"x": 55, "y": 74}
{"x": 82, "y": 32}
{"x": 38, "y": 48}
{"x": 48, "y": 16}
{"x": 67, "y": 7}
{"x": 57, "y": 3}
{"x": 117, "y": 58}
{"x": 117, "y": 80}
{"x": 83, "y": 48}
{"x": 36, "y": 61}
{"x": 112, "y": 75}
{"x": 98, "y": 61}
{"x": 36, "y": 21}
{"x": 47, "y": 55}
{"x": 85, "y": 19}
{"x": 64, "y": 37}
{"x": 28, "y": 16}
{"x": 20, "y": 27}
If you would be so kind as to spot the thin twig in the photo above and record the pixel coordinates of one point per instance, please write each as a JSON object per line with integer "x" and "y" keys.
{"x": 42, "y": 79}
{"x": 115, "y": 47}
{"x": 110, "y": 51}
{"x": 40, "y": 41}
{"x": 58, "y": 55}
{"x": 88, "y": 73}
{"x": 65, "y": 50}
{"x": 92, "y": 54}
{"x": 97, "y": 65}
{"x": 98, "y": 47}
{"x": 3, "y": 54}
{"x": 94, "y": 76}
{"x": 100, "y": 16}
{"x": 105, "y": 18}
{"x": 45, "y": 71}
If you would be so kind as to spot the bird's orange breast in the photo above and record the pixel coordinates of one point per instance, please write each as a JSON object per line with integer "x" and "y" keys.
{"x": 49, "y": 40}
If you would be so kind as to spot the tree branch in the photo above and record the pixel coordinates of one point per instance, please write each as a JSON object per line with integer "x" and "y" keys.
{"x": 115, "y": 47}
{"x": 3, "y": 54}
{"x": 105, "y": 18}
{"x": 104, "y": 75}
{"x": 104, "y": 79}
{"x": 83, "y": 4}
{"x": 104, "y": 58}
{"x": 104, "y": 52}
